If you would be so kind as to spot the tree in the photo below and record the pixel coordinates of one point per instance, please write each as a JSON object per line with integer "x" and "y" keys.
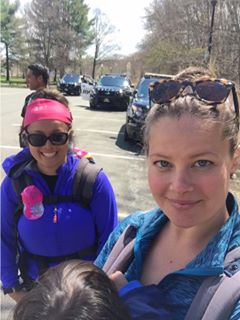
{"x": 57, "y": 30}
{"x": 103, "y": 43}
{"x": 178, "y": 34}
{"x": 8, "y": 28}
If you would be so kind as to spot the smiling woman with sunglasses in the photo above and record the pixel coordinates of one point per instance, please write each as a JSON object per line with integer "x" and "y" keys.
{"x": 191, "y": 141}
{"x": 54, "y": 224}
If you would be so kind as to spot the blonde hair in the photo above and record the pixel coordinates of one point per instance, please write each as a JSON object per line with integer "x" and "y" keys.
{"x": 223, "y": 113}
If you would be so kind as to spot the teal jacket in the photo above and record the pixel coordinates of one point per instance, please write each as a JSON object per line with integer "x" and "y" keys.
{"x": 176, "y": 291}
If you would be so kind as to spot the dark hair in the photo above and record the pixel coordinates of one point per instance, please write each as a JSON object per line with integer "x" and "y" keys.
{"x": 224, "y": 113}
{"x": 73, "y": 290}
{"x": 39, "y": 70}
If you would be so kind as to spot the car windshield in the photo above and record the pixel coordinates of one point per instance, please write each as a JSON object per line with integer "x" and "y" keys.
{"x": 142, "y": 88}
{"x": 113, "y": 81}
{"x": 71, "y": 78}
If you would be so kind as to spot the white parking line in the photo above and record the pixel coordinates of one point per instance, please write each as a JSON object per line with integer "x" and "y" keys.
{"x": 116, "y": 156}
{"x": 100, "y": 118}
{"x": 100, "y": 131}
{"x": 9, "y": 147}
{"x": 137, "y": 158}
{"x": 86, "y": 130}
{"x": 87, "y": 118}
{"x": 10, "y": 93}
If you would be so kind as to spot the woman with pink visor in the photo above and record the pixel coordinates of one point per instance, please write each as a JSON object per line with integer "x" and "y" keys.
{"x": 47, "y": 233}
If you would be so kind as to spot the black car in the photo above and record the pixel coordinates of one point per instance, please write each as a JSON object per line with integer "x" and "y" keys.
{"x": 70, "y": 84}
{"x": 139, "y": 107}
{"x": 112, "y": 90}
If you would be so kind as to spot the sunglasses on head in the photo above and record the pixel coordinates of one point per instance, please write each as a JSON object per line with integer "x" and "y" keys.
{"x": 209, "y": 91}
{"x": 40, "y": 139}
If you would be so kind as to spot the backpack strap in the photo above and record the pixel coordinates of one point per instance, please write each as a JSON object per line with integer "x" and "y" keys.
{"x": 122, "y": 252}
{"x": 19, "y": 184}
{"x": 84, "y": 180}
{"x": 83, "y": 183}
{"x": 217, "y": 295}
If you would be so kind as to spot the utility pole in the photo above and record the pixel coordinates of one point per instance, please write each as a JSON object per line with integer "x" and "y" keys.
{"x": 208, "y": 54}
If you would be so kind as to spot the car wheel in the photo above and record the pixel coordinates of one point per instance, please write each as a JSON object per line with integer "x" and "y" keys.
{"x": 92, "y": 105}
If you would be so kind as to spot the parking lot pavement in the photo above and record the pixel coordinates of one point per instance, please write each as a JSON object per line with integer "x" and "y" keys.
{"x": 7, "y": 305}
{"x": 101, "y": 133}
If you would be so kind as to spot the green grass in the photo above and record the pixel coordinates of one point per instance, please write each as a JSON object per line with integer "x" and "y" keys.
{"x": 18, "y": 82}
{"x": 14, "y": 81}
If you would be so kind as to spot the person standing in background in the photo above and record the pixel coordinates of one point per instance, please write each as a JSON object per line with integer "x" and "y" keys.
{"x": 37, "y": 79}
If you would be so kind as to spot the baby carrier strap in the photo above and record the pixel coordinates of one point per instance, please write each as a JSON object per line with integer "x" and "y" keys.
{"x": 84, "y": 179}
{"x": 122, "y": 252}
{"x": 218, "y": 295}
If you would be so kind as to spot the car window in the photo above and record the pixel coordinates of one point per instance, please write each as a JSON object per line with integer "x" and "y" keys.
{"x": 142, "y": 87}
{"x": 71, "y": 77}
{"x": 113, "y": 81}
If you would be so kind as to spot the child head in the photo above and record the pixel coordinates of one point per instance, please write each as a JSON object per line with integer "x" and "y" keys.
{"x": 73, "y": 290}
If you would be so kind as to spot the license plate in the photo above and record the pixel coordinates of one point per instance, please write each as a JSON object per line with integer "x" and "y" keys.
{"x": 106, "y": 100}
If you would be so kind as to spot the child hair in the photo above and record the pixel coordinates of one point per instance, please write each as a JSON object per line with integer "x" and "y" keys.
{"x": 72, "y": 290}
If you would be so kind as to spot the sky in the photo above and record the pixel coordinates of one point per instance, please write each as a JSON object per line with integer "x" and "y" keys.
{"x": 125, "y": 15}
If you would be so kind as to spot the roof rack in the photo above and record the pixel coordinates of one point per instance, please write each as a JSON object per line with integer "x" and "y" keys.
{"x": 157, "y": 75}
{"x": 115, "y": 74}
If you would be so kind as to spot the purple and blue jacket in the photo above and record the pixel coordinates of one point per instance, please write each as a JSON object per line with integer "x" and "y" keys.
{"x": 76, "y": 228}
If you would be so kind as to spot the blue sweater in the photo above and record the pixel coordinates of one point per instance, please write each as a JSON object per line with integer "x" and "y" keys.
{"x": 77, "y": 227}
{"x": 172, "y": 297}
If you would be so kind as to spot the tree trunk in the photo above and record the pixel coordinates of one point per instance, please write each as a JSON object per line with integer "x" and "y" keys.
{"x": 55, "y": 75}
{"x": 94, "y": 67}
{"x": 95, "y": 61}
{"x": 7, "y": 62}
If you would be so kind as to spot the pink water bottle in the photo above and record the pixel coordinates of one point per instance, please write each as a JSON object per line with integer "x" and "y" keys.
{"x": 32, "y": 199}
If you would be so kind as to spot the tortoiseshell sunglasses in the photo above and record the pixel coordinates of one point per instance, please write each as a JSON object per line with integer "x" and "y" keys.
{"x": 210, "y": 91}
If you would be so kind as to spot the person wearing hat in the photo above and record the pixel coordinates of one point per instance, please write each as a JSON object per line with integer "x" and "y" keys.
{"x": 48, "y": 233}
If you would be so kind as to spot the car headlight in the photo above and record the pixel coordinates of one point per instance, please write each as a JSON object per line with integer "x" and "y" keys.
{"x": 93, "y": 92}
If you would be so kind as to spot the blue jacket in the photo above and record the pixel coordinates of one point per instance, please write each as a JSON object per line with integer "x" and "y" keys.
{"x": 172, "y": 297}
{"x": 77, "y": 227}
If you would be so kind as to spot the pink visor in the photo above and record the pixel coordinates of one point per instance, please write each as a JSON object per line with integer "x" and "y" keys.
{"x": 46, "y": 109}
